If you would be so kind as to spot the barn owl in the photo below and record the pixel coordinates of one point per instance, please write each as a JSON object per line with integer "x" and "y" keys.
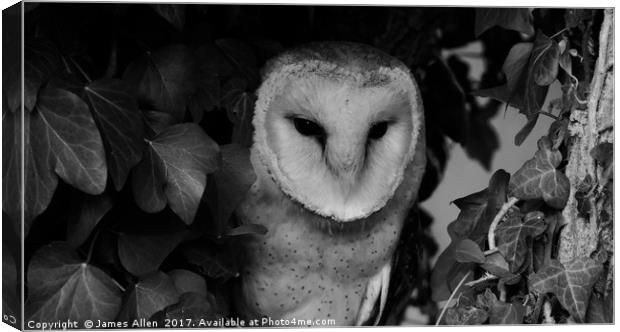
{"x": 339, "y": 154}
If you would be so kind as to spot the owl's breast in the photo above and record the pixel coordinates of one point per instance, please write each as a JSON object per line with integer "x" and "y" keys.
{"x": 310, "y": 267}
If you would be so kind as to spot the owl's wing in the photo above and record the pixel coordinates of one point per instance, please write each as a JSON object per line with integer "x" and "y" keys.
{"x": 375, "y": 296}
{"x": 230, "y": 184}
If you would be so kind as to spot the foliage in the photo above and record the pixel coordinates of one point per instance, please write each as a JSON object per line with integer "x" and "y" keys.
{"x": 505, "y": 239}
{"x": 138, "y": 121}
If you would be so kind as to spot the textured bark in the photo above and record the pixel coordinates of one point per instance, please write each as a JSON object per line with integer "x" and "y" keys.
{"x": 587, "y": 237}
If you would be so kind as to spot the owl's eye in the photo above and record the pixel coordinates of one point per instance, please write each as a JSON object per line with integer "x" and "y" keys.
{"x": 308, "y": 128}
{"x": 378, "y": 130}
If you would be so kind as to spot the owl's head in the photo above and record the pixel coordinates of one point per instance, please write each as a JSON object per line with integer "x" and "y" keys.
{"x": 336, "y": 124}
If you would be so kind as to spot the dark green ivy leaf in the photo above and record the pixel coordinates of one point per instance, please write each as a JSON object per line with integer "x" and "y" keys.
{"x": 465, "y": 315}
{"x": 468, "y": 251}
{"x": 497, "y": 265}
{"x": 39, "y": 178}
{"x": 518, "y": 19}
{"x": 117, "y": 115}
{"x": 192, "y": 306}
{"x": 61, "y": 139}
{"x": 247, "y": 229}
{"x": 174, "y": 169}
{"x": 142, "y": 254}
{"x": 188, "y": 282}
{"x": 241, "y": 56}
{"x": 230, "y": 184}
{"x": 512, "y": 236}
{"x": 501, "y": 312}
{"x": 477, "y": 212}
{"x": 62, "y": 286}
{"x": 545, "y": 59}
{"x": 214, "y": 261}
{"x": 571, "y": 283}
{"x": 74, "y": 147}
{"x": 521, "y": 90}
{"x": 601, "y": 309}
{"x": 538, "y": 178}
{"x": 150, "y": 295}
{"x": 603, "y": 154}
{"x": 41, "y": 60}
{"x": 164, "y": 79}
{"x": 85, "y": 217}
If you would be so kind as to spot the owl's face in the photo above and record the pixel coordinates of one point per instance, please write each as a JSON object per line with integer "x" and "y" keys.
{"x": 336, "y": 136}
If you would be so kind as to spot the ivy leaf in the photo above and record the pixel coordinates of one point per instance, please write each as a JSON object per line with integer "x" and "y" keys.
{"x": 213, "y": 62}
{"x": 62, "y": 286}
{"x": 164, "y": 79}
{"x": 518, "y": 19}
{"x": 173, "y": 13}
{"x": 194, "y": 306}
{"x": 213, "y": 261}
{"x": 241, "y": 115}
{"x": 149, "y": 296}
{"x": 538, "y": 178}
{"x": 142, "y": 254}
{"x": 545, "y": 59}
{"x": 477, "y": 213}
{"x": 41, "y": 60}
{"x": 467, "y": 251}
{"x": 472, "y": 207}
{"x": 512, "y": 235}
{"x": 566, "y": 62}
{"x": 147, "y": 182}
{"x": 230, "y": 184}
{"x": 60, "y": 137}
{"x": 239, "y": 105}
{"x": 241, "y": 56}
{"x": 247, "y": 229}
{"x": 39, "y": 178}
{"x": 521, "y": 90}
{"x": 158, "y": 121}
{"x": 516, "y": 64}
{"x": 603, "y": 154}
{"x": 600, "y": 309}
{"x": 572, "y": 283}
{"x": 497, "y": 265}
{"x": 465, "y": 315}
{"x": 501, "y": 312}
{"x": 85, "y": 217}
{"x": 175, "y": 165}
{"x": 188, "y": 282}
{"x": 574, "y": 16}
{"x": 117, "y": 115}
{"x": 206, "y": 97}
{"x": 63, "y": 122}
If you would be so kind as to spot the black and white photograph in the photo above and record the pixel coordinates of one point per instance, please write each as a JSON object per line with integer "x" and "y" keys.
{"x": 306, "y": 165}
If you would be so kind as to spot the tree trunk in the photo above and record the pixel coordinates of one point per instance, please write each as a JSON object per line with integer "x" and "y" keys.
{"x": 592, "y": 235}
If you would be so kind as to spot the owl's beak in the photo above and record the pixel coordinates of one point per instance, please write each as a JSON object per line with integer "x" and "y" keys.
{"x": 346, "y": 164}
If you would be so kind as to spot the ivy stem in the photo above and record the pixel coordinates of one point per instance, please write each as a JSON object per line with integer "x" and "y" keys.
{"x": 443, "y": 311}
{"x": 549, "y": 114}
{"x": 118, "y": 285}
{"x": 77, "y": 65}
{"x": 92, "y": 247}
{"x": 486, "y": 277}
{"x": 558, "y": 33}
{"x": 511, "y": 201}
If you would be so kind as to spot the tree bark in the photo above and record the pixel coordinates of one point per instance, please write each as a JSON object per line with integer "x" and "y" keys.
{"x": 588, "y": 236}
